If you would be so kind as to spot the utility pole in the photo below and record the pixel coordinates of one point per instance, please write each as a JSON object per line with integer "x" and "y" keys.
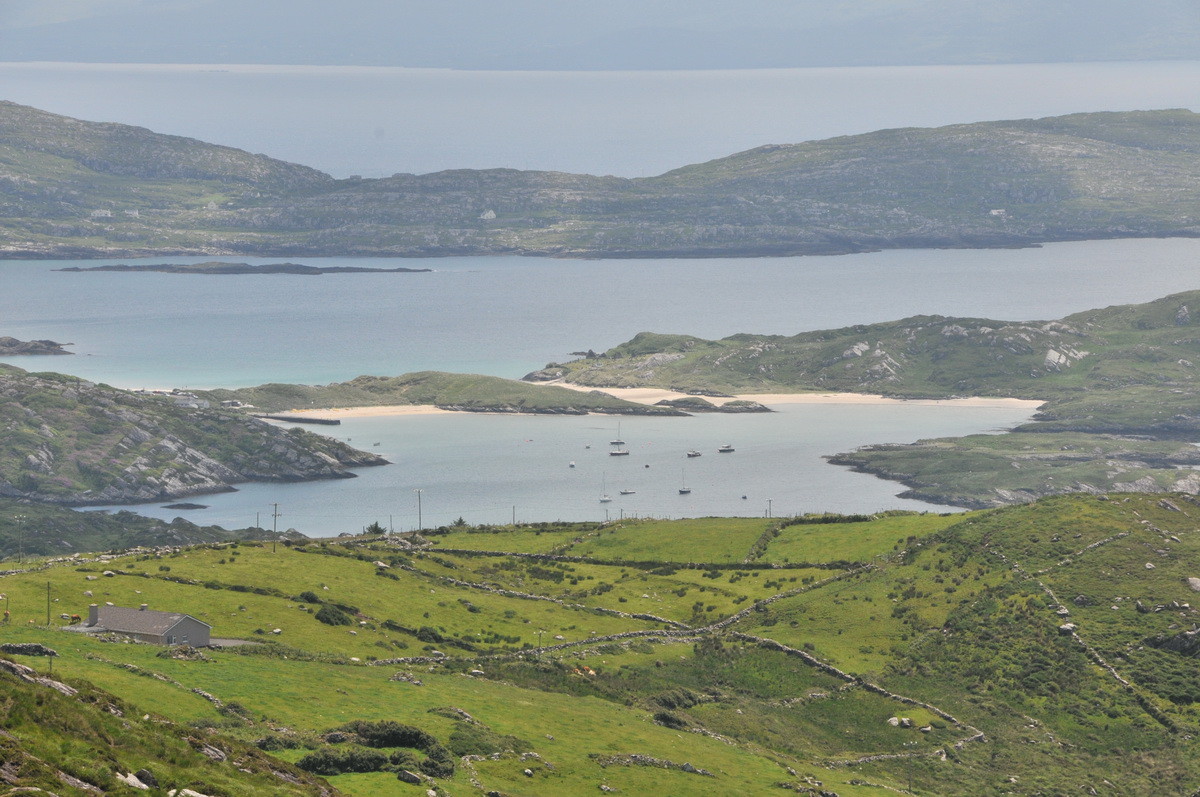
{"x": 769, "y": 509}
{"x": 420, "y": 520}
{"x": 274, "y": 527}
{"x": 514, "y": 514}
{"x": 20, "y": 538}
{"x": 47, "y": 603}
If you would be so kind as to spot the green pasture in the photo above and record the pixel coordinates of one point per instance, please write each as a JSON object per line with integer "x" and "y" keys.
{"x": 691, "y": 540}
{"x": 855, "y": 541}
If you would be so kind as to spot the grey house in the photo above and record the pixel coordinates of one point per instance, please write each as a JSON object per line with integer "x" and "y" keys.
{"x": 160, "y": 628}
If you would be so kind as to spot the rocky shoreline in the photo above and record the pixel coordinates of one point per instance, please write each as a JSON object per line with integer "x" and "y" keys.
{"x": 10, "y": 347}
{"x": 75, "y": 443}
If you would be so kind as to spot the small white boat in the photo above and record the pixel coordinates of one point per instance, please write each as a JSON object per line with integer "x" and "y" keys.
{"x": 605, "y": 498}
{"x": 618, "y": 441}
{"x": 628, "y": 492}
{"x": 619, "y": 452}
{"x": 684, "y": 489}
{"x": 725, "y": 449}
{"x": 572, "y": 464}
{"x": 693, "y": 453}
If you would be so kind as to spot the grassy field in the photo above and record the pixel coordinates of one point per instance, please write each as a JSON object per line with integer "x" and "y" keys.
{"x": 863, "y": 675}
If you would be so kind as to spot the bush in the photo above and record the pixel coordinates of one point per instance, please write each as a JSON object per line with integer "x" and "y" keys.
{"x": 339, "y": 760}
{"x": 308, "y": 597}
{"x": 670, "y": 720}
{"x": 390, "y": 734}
{"x": 332, "y": 615}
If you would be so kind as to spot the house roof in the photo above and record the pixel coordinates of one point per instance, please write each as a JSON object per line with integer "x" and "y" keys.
{"x": 140, "y": 621}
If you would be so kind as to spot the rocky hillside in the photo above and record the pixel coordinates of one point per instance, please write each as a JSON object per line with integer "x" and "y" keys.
{"x": 68, "y": 441}
{"x": 79, "y": 188}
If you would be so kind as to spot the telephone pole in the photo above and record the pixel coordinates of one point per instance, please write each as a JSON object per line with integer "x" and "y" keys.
{"x": 20, "y": 537}
{"x": 274, "y": 527}
{"x": 420, "y": 521}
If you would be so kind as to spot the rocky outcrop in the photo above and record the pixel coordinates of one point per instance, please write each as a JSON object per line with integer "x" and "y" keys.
{"x": 11, "y": 346}
{"x": 71, "y": 442}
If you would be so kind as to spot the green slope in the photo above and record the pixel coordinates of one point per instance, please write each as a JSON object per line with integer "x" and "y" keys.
{"x": 767, "y": 669}
{"x": 468, "y": 392}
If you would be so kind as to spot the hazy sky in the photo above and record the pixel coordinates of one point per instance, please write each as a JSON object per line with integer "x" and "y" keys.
{"x": 612, "y": 34}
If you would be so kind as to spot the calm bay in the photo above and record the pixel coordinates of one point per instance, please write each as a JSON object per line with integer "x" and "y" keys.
{"x": 507, "y": 316}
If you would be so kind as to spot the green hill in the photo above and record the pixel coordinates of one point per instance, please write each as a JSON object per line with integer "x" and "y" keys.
{"x": 465, "y": 392}
{"x": 75, "y": 188}
{"x": 1037, "y": 649}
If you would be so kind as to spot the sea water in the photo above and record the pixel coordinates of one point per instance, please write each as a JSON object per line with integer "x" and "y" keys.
{"x": 507, "y": 316}
{"x": 496, "y": 469}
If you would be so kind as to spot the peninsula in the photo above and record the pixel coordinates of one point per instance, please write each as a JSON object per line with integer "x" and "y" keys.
{"x": 75, "y": 189}
{"x": 1121, "y": 393}
{"x": 76, "y": 443}
{"x": 10, "y": 346}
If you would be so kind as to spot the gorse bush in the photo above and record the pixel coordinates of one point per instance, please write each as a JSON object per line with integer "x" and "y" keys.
{"x": 339, "y": 760}
{"x": 332, "y": 615}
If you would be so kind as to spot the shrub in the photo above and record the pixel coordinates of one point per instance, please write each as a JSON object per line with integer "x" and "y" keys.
{"x": 338, "y": 760}
{"x": 308, "y": 596}
{"x": 390, "y": 734}
{"x": 332, "y": 615}
{"x": 670, "y": 720}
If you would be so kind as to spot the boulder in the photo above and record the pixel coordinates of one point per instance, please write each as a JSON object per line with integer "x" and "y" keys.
{"x": 407, "y": 777}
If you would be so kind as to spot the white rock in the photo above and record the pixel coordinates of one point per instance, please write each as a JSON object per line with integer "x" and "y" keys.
{"x": 132, "y": 781}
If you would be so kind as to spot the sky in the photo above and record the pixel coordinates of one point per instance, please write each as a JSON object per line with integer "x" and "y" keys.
{"x": 610, "y": 35}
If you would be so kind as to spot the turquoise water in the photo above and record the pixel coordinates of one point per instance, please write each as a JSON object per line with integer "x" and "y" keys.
{"x": 507, "y": 316}
{"x": 494, "y": 468}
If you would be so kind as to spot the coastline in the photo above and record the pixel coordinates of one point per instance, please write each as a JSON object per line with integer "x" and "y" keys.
{"x": 649, "y": 396}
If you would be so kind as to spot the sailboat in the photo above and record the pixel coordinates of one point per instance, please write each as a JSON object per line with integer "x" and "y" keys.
{"x": 618, "y": 441}
{"x": 683, "y": 489}
{"x": 605, "y": 498}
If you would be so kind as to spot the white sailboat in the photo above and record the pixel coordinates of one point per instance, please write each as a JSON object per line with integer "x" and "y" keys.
{"x": 683, "y": 488}
{"x": 605, "y": 498}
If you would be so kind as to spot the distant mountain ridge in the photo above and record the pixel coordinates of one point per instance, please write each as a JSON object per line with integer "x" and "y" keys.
{"x": 80, "y": 189}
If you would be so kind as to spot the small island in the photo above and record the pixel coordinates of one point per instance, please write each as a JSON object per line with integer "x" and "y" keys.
{"x": 10, "y": 346}
{"x": 221, "y": 267}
